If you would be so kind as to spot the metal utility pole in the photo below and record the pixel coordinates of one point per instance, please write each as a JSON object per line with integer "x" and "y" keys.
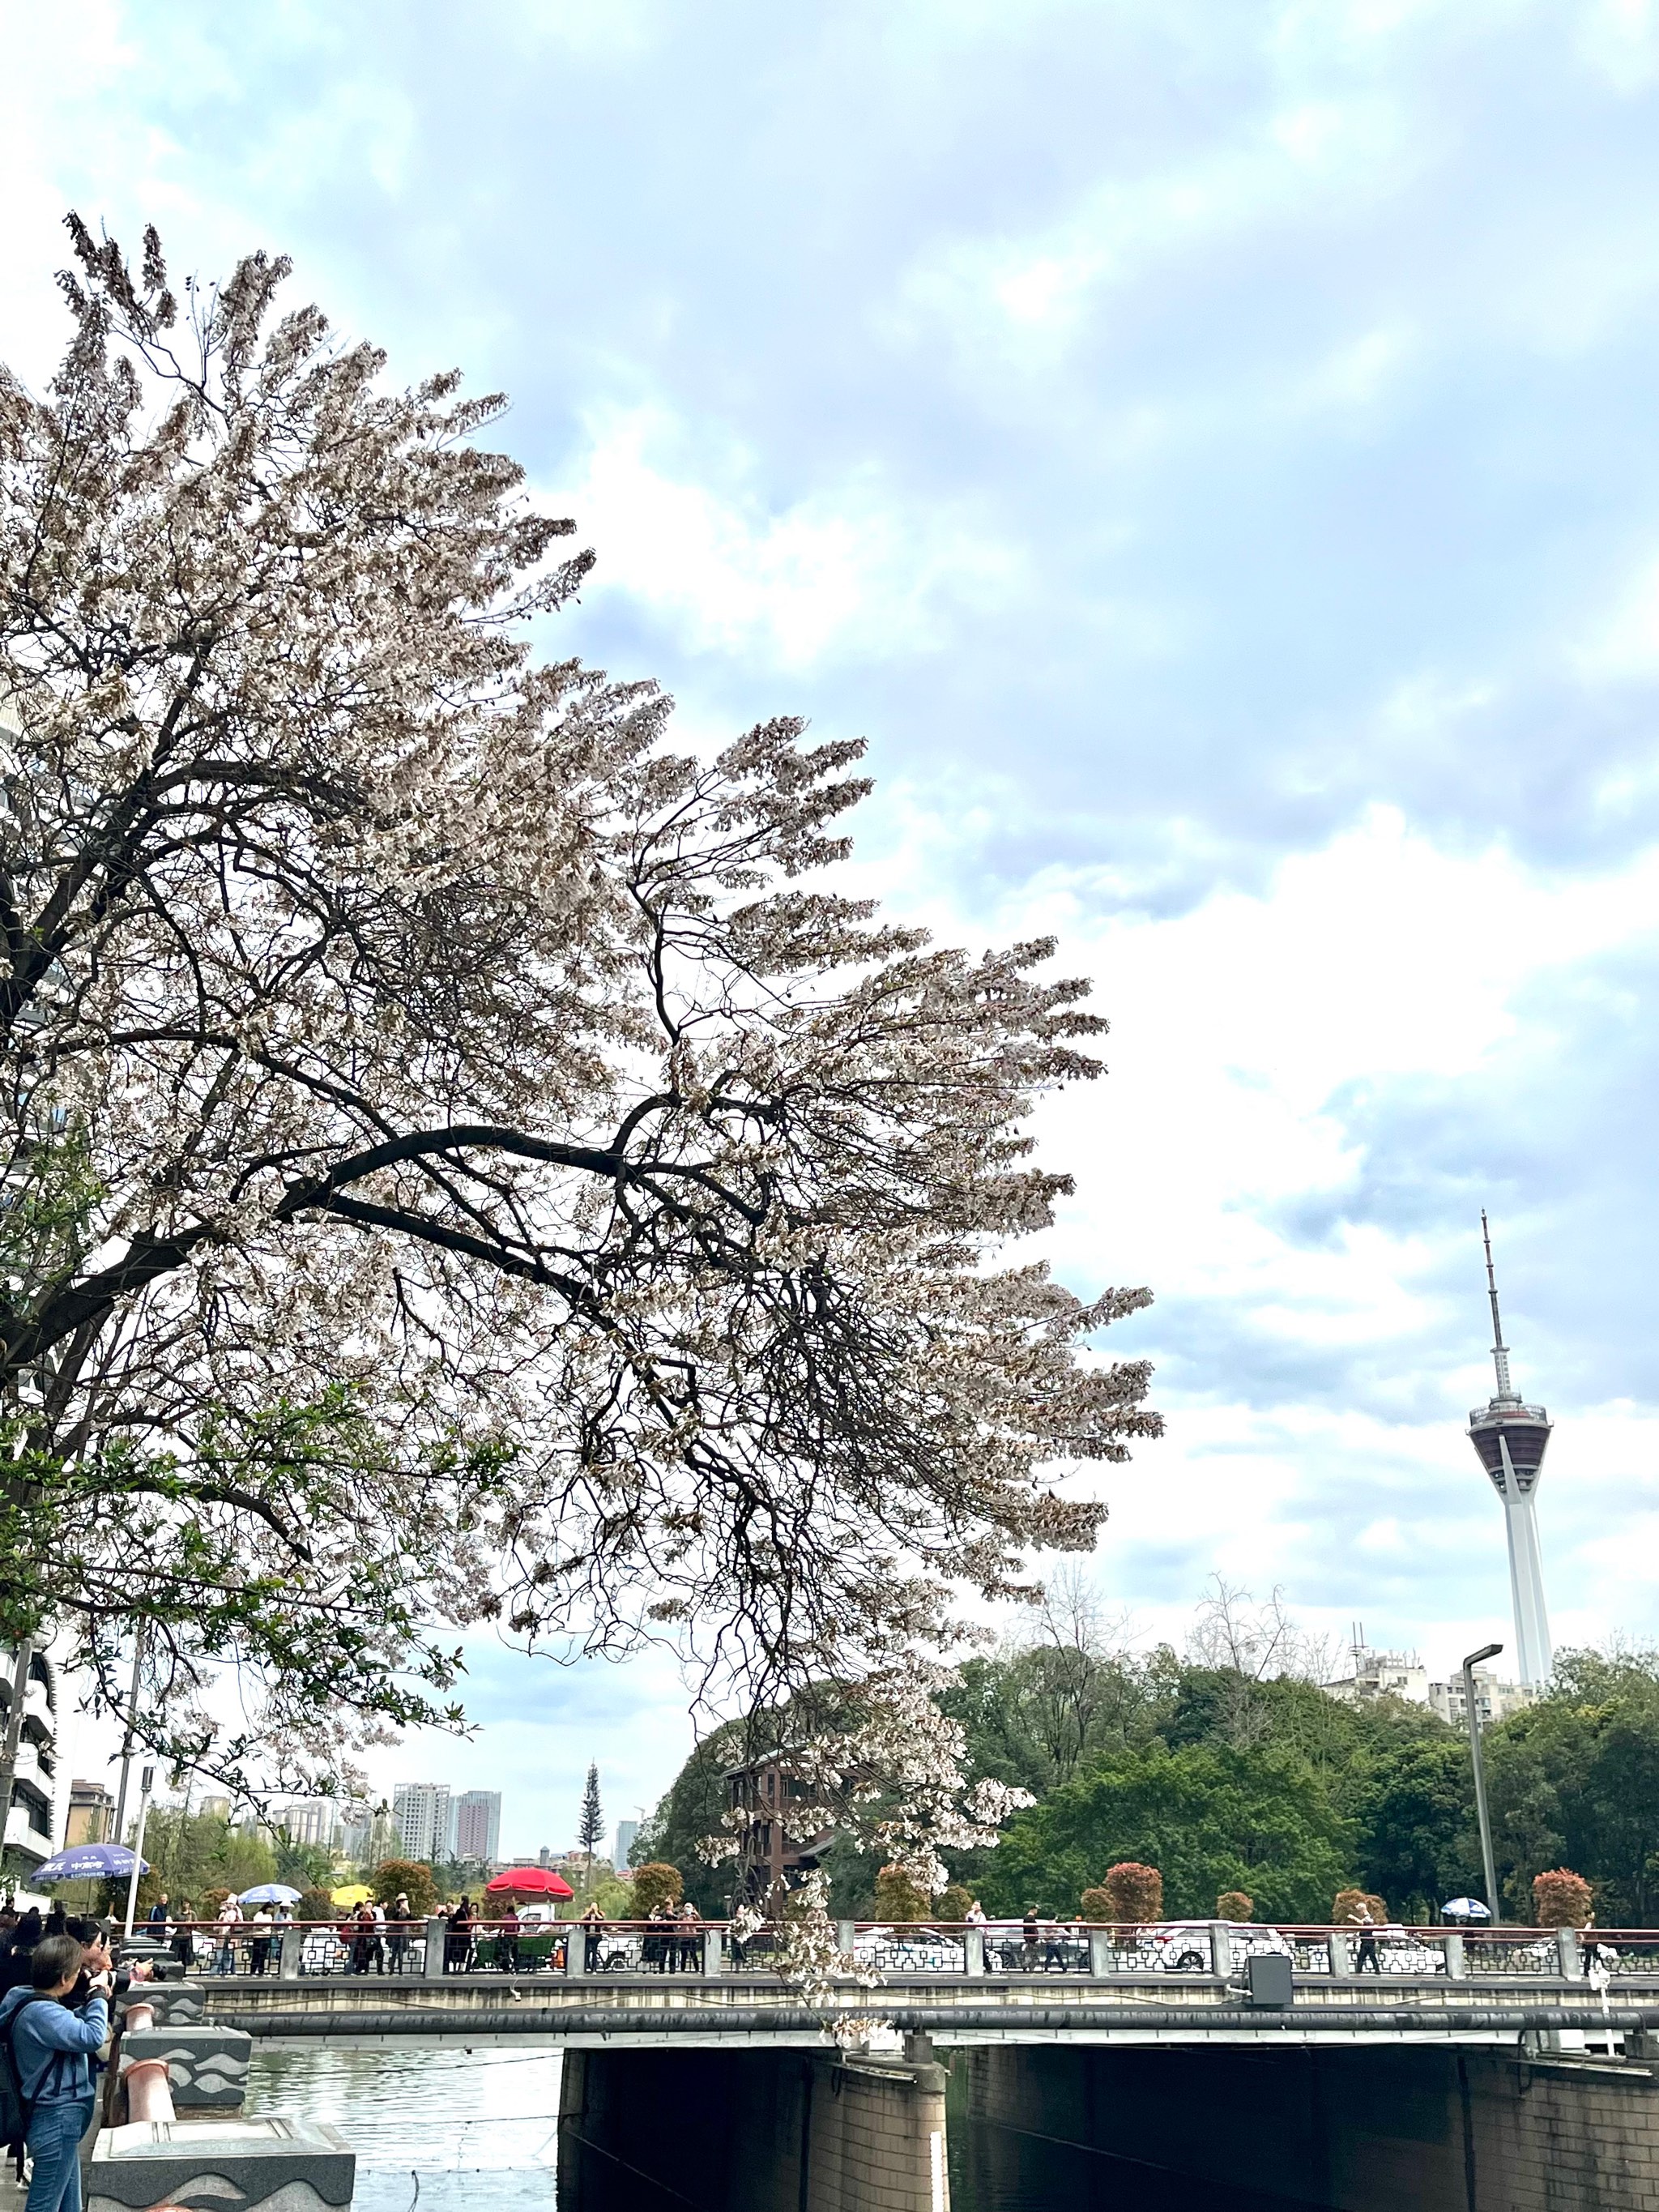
{"x": 118, "y": 1836}
{"x": 1487, "y": 1864}
{"x": 146, "y": 1782}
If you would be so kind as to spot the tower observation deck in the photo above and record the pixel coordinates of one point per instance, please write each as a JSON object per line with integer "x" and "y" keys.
{"x": 1512, "y": 1438}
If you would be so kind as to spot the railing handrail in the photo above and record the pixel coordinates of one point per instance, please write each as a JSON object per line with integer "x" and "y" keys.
{"x": 1508, "y": 1931}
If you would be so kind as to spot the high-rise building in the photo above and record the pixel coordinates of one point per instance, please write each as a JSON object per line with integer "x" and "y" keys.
{"x": 1494, "y": 1701}
{"x": 422, "y": 1813}
{"x": 91, "y": 1814}
{"x": 309, "y": 1820}
{"x": 626, "y": 1832}
{"x": 478, "y": 1824}
{"x": 1511, "y": 1437}
{"x": 30, "y": 1820}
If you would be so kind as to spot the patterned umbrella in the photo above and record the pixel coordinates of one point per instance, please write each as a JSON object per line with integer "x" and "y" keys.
{"x": 90, "y": 1863}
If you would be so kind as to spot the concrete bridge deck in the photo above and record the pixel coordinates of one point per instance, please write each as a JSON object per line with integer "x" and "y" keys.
{"x": 653, "y": 2011}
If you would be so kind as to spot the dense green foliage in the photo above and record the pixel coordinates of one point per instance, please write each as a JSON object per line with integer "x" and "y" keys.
{"x": 1208, "y": 1817}
{"x": 1574, "y": 1783}
{"x": 690, "y": 1813}
{"x": 1226, "y": 1781}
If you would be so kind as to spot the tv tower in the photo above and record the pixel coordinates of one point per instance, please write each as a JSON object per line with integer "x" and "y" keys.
{"x": 1512, "y": 1438}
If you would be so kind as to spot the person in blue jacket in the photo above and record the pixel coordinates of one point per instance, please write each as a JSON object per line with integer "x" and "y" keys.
{"x": 54, "y": 2049}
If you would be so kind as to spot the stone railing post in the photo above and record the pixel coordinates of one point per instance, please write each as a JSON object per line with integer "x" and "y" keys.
{"x": 290, "y": 1949}
{"x": 972, "y": 1952}
{"x": 713, "y": 1951}
{"x": 1341, "y": 1954}
{"x": 845, "y": 1932}
{"x": 436, "y": 1929}
{"x": 1457, "y": 1965}
{"x": 1100, "y": 1953}
{"x": 1221, "y": 1949}
{"x": 576, "y": 1950}
{"x": 1566, "y": 1950}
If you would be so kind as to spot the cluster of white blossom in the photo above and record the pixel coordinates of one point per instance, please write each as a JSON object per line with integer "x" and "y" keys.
{"x": 465, "y": 1161}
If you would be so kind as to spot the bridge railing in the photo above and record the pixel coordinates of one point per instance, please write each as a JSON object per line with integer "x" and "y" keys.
{"x": 901, "y": 1949}
{"x": 213, "y": 1948}
{"x": 1620, "y": 1951}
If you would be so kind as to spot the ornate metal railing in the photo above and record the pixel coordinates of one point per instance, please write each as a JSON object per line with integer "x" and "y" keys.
{"x": 427, "y": 1949}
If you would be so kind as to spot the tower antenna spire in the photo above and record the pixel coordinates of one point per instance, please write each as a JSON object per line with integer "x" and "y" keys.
{"x": 1500, "y": 1351}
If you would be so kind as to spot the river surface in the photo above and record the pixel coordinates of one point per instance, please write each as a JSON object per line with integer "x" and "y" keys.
{"x": 447, "y": 2130}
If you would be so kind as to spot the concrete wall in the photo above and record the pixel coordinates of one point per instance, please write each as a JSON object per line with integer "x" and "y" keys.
{"x": 1346, "y": 2130}
{"x": 748, "y": 2131}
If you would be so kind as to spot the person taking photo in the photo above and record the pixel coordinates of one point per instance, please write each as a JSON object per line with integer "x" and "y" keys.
{"x": 52, "y": 2049}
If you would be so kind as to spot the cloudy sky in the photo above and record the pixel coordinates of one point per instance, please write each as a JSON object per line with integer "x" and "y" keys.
{"x": 1207, "y": 448}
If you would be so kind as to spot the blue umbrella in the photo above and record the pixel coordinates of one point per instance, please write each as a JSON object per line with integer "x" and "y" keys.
{"x": 270, "y": 1892}
{"x": 90, "y": 1863}
{"x": 1465, "y": 1908}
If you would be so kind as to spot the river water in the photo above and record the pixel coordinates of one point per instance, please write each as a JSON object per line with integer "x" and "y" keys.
{"x": 445, "y": 2130}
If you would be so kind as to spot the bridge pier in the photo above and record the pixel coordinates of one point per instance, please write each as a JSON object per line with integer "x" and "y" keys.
{"x": 1480, "y": 2129}
{"x": 750, "y": 2130}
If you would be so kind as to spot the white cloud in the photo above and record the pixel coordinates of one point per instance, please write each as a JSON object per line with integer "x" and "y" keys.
{"x": 847, "y": 569}
{"x": 1620, "y": 39}
{"x": 1623, "y": 643}
{"x": 1020, "y": 299}
{"x": 1237, "y": 1027}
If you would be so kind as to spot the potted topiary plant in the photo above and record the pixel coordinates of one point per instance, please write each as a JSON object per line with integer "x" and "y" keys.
{"x": 1135, "y": 1893}
{"x": 1561, "y": 1899}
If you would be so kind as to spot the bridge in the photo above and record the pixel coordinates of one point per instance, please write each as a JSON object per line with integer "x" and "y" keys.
{"x": 657, "y": 1984}
{"x": 1454, "y": 2077}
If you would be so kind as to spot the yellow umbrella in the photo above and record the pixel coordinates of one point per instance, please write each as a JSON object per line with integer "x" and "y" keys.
{"x": 354, "y": 1892}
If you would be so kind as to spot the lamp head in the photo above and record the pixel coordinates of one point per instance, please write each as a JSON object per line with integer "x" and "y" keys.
{"x": 1486, "y": 1651}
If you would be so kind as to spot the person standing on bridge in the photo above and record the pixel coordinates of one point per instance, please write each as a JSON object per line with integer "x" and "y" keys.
{"x": 1368, "y": 1958}
{"x": 593, "y": 1922}
{"x": 458, "y": 1945}
{"x": 506, "y": 1939}
{"x": 1028, "y": 1956}
{"x": 396, "y": 1931}
{"x": 690, "y": 1944}
{"x": 230, "y": 1919}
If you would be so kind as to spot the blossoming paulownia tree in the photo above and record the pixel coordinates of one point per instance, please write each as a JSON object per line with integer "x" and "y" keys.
{"x": 465, "y": 1161}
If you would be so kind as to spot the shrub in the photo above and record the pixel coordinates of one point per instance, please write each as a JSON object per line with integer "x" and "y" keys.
{"x": 1234, "y": 1905}
{"x": 953, "y": 1901}
{"x": 1134, "y": 1893}
{"x": 316, "y": 1904}
{"x": 1560, "y": 1898}
{"x": 1094, "y": 1903}
{"x": 1349, "y": 1905}
{"x": 898, "y": 1897}
{"x": 655, "y": 1884}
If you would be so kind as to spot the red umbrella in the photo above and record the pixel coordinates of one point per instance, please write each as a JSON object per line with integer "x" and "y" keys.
{"x": 529, "y": 1881}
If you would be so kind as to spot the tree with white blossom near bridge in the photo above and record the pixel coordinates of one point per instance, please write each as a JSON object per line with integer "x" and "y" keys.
{"x": 466, "y": 1161}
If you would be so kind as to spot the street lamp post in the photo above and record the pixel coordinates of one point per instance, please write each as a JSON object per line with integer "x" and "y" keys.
{"x": 1487, "y": 1865}
{"x": 146, "y": 1784}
